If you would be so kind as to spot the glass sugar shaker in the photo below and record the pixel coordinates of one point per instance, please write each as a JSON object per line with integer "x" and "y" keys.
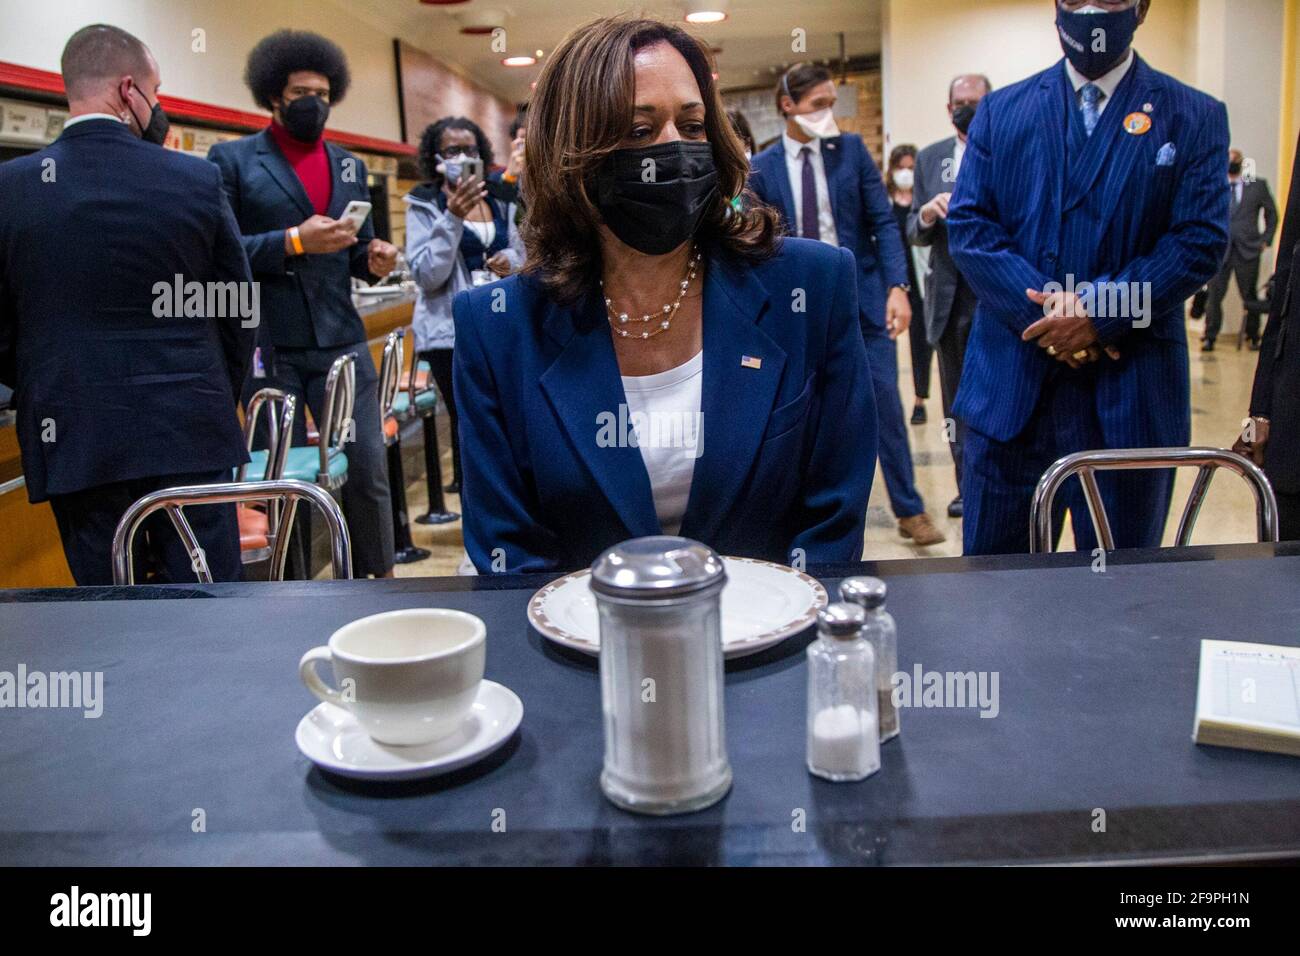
{"x": 843, "y": 742}
{"x": 869, "y": 594}
{"x": 661, "y": 674}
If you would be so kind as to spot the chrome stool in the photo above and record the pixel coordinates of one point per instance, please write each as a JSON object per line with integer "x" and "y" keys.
{"x": 257, "y": 528}
{"x": 390, "y": 373}
{"x": 284, "y": 492}
{"x": 1087, "y": 463}
{"x": 425, "y": 406}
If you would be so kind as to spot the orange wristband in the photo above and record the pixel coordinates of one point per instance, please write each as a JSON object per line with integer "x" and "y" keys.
{"x": 295, "y": 240}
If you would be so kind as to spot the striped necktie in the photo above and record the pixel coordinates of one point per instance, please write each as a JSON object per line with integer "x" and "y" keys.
{"x": 1090, "y": 97}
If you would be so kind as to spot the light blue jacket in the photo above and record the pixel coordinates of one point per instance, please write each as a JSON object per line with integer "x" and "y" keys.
{"x": 433, "y": 253}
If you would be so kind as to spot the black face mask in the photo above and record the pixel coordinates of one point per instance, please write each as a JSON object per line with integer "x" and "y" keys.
{"x": 653, "y": 197}
{"x": 1234, "y": 169}
{"x": 154, "y": 131}
{"x": 305, "y": 117}
{"x": 962, "y": 117}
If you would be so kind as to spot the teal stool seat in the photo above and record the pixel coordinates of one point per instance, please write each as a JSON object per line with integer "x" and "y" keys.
{"x": 302, "y": 463}
{"x": 424, "y": 402}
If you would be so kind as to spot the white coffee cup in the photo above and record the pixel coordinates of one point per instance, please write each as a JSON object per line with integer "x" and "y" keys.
{"x": 409, "y": 677}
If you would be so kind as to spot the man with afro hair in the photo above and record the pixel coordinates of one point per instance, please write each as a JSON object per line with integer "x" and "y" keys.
{"x": 289, "y": 188}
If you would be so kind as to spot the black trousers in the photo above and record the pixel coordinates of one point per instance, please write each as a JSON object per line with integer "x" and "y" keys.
{"x": 952, "y": 354}
{"x": 921, "y": 349}
{"x": 366, "y": 504}
{"x": 440, "y": 362}
{"x": 1288, "y": 516}
{"x": 87, "y": 520}
{"x": 1247, "y": 273}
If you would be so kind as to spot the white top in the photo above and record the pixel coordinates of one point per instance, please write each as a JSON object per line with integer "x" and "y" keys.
{"x": 958, "y": 154}
{"x": 1108, "y": 82}
{"x": 794, "y": 166}
{"x": 663, "y": 411}
{"x": 486, "y": 231}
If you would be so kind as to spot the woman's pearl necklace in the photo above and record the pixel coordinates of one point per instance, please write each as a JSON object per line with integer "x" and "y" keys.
{"x": 663, "y": 319}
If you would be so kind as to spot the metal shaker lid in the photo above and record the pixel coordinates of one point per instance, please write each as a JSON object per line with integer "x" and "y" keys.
{"x": 865, "y": 592}
{"x": 657, "y": 567}
{"x": 841, "y": 621}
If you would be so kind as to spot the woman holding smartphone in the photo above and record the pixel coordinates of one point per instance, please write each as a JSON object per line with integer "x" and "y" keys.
{"x": 458, "y": 235}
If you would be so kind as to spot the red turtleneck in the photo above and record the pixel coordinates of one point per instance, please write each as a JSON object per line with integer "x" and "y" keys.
{"x": 310, "y": 162}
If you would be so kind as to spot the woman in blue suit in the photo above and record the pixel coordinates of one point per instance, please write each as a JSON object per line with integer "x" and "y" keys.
{"x": 665, "y": 364}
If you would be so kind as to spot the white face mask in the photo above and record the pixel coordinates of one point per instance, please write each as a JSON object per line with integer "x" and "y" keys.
{"x": 904, "y": 178}
{"x": 819, "y": 124}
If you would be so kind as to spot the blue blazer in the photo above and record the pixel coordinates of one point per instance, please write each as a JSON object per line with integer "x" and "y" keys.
{"x": 111, "y": 383}
{"x": 788, "y": 449}
{"x": 864, "y": 217}
{"x": 1145, "y": 208}
{"x": 307, "y": 300}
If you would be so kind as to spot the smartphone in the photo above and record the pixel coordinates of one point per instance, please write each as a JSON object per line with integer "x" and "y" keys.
{"x": 470, "y": 167}
{"x": 356, "y": 214}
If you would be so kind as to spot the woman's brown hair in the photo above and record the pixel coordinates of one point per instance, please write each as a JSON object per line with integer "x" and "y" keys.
{"x": 581, "y": 112}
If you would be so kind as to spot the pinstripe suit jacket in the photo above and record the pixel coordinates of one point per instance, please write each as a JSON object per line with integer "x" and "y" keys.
{"x": 1033, "y": 206}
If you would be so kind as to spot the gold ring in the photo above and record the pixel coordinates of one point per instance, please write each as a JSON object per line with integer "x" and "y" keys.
{"x": 1080, "y": 355}
{"x": 1051, "y": 350}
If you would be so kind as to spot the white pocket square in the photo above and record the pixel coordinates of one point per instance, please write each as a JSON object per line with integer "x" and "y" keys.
{"x": 1168, "y": 153}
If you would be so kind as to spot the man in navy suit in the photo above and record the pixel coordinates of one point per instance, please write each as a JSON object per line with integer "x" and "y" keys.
{"x": 827, "y": 187}
{"x": 120, "y": 387}
{"x": 1090, "y": 206}
{"x": 288, "y": 188}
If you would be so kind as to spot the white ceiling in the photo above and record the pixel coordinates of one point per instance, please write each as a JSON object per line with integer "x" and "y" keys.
{"x": 755, "y": 36}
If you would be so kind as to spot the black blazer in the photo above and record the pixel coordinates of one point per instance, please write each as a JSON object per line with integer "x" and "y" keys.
{"x": 307, "y": 300}
{"x": 94, "y": 230}
{"x": 1243, "y": 230}
{"x": 1276, "y": 395}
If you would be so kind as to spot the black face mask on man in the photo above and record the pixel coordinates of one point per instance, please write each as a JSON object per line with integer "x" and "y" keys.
{"x": 963, "y": 116}
{"x": 653, "y": 197}
{"x": 155, "y": 130}
{"x": 1095, "y": 39}
{"x": 305, "y": 117}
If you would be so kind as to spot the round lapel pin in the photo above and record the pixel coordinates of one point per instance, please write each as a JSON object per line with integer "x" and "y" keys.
{"x": 1137, "y": 124}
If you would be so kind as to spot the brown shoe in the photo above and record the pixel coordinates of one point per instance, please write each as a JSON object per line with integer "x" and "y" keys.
{"x": 921, "y": 530}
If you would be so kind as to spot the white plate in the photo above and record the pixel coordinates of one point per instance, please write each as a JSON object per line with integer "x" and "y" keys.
{"x": 331, "y": 738}
{"x": 762, "y": 605}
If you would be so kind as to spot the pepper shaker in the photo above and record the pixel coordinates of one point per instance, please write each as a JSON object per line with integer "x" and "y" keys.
{"x": 869, "y": 594}
{"x": 661, "y": 674}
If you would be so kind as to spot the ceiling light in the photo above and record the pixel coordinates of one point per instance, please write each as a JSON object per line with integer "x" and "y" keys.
{"x": 481, "y": 22}
{"x": 706, "y": 11}
{"x": 523, "y": 60}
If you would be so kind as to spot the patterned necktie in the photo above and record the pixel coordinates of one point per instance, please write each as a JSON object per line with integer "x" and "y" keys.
{"x": 811, "y": 224}
{"x": 1090, "y": 98}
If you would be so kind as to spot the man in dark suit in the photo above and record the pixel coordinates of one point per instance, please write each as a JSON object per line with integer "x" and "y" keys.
{"x": 950, "y": 301}
{"x": 121, "y": 387}
{"x": 1272, "y": 433}
{"x": 1246, "y": 244}
{"x": 1090, "y": 206}
{"x": 841, "y": 200}
{"x": 288, "y": 187}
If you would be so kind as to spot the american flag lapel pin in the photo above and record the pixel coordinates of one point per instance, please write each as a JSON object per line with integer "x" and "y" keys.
{"x": 748, "y": 361}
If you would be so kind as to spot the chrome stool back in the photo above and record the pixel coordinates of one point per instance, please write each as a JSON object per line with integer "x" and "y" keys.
{"x": 392, "y": 417}
{"x": 1087, "y": 463}
{"x": 257, "y": 529}
{"x": 285, "y": 492}
{"x": 336, "y": 421}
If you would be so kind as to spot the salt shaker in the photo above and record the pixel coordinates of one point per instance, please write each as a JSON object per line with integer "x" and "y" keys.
{"x": 843, "y": 742}
{"x": 869, "y": 594}
{"x": 661, "y": 688}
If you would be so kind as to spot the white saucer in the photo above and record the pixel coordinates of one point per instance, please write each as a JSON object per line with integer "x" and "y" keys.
{"x": 331, "y": 738}
{"x": 762, "y": 605}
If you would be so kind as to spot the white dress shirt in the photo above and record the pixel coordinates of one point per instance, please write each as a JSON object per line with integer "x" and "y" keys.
{"x": 1108, "y": 82}
{"x": 90, "y": 116}
{"x": 958, "y": 154}
{"x": 794, "y": 166}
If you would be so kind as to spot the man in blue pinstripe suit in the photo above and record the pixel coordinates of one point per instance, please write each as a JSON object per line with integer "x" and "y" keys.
{"x": 1091, "y": 204}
